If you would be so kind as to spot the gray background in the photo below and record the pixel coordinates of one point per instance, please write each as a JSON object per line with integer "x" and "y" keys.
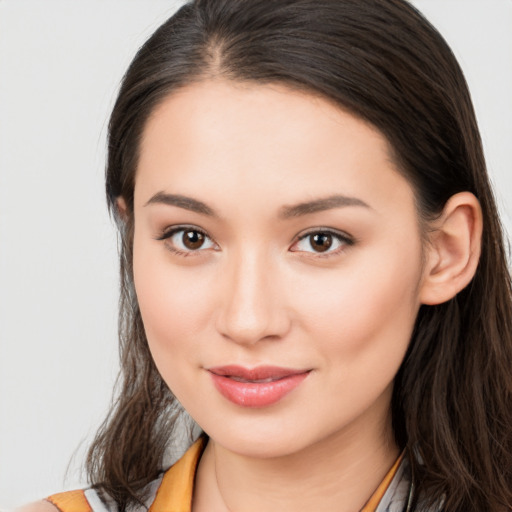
{"x": 60, "y": 66}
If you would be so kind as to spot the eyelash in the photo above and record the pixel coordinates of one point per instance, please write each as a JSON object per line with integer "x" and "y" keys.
{"x": 169, "y": 233}
{"x": 344, "y": 240}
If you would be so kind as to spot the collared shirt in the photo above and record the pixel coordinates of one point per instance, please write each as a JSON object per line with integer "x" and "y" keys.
{"x": 173, "y": 491}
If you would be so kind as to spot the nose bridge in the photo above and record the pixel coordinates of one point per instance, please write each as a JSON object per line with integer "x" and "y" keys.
{"x": 252, "y": 308}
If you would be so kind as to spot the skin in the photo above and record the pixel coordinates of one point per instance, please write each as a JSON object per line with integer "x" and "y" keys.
{"x": 255, "y": 295}
{"x": 259, "y": 292}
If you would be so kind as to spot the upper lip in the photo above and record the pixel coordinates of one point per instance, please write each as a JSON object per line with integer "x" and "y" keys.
{"x": 257, "y": 373}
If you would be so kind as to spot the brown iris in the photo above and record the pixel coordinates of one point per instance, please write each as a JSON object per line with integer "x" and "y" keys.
{"x": 320, "y": 242}
{"x": 193, "y": 239}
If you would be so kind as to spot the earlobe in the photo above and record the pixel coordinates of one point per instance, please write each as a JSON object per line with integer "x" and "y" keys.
{"x": 454, "y": 249}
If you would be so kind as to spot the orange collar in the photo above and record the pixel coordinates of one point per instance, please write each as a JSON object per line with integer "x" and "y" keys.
{"x": 175, "y": 491}
{"x": 376, "y": 497}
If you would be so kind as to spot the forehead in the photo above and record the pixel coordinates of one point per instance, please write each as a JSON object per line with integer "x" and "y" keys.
{"x": 246, "y": 140}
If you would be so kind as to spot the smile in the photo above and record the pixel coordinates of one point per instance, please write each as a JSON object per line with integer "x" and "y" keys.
{"x": 257, "y": 387}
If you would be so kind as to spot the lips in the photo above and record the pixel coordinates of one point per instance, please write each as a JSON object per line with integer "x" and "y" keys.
{"x": 256, "y": 387}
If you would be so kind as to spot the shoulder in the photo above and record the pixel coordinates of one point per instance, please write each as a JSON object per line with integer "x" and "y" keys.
{"x": 69, "y": 501}
{"x": 38, "y": 506}
{"x": 173, "y": 487}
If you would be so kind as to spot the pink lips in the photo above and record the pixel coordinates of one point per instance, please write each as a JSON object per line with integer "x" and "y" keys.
{"x": 257, "y": 387}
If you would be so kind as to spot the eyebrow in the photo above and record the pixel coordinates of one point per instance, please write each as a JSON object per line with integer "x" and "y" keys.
{"x": 319, "y": 205}
{"x": 188, "y": 203}
{"x": 286, "y": 212}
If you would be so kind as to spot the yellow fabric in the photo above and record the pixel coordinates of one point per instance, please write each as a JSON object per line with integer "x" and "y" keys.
{"x": 373, "y": 502}
{"x": 72, "y": 501}
{"x": 176, "y": 489}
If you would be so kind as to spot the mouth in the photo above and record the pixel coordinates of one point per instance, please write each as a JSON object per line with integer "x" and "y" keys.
{"x": 256, "y": 387}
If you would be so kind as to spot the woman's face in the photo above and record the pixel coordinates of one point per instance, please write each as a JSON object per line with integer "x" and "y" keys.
{"x": 277, "y": 263}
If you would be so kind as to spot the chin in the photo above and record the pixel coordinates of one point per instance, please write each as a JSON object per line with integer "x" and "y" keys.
{"x": 259, "y": 448}
{"x": 264, "y": 439}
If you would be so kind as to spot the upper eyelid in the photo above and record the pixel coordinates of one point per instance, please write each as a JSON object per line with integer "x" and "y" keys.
{"x": 171, "y": 230}
{"x": 344, "y": 238}
{"x": 330, "y": 231}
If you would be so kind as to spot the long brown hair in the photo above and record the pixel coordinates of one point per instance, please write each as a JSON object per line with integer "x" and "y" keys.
{"x": 382, "y": 61}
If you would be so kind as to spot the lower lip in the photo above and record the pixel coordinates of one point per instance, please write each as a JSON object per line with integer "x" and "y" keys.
{"x": 256, "y": 394}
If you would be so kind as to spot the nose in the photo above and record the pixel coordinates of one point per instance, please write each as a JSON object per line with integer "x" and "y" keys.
{"x": 253, "y": 306}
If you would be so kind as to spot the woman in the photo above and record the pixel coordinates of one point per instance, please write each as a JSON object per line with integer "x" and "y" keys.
{"x": 312, "y": 266}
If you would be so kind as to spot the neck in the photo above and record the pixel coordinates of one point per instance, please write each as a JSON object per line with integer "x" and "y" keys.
{"x": 338, "y": 473}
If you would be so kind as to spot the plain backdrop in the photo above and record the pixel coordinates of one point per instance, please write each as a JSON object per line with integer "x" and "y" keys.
{"x": 60, "y": 67}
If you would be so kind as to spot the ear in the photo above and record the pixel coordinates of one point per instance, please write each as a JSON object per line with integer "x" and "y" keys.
{"x": 453, "y": 250}
{"x": 121, "y": 208}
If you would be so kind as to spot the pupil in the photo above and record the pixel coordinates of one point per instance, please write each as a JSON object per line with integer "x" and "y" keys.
{"x": 193, "y": 239}
{"x": 321, "y": 242}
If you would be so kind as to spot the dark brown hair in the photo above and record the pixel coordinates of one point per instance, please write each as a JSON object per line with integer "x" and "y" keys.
{"x": 382, "y": 61}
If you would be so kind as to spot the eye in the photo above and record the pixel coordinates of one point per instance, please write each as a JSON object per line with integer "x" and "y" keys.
{"x": 322, "y": 242}
{"x": 185, "y": 240}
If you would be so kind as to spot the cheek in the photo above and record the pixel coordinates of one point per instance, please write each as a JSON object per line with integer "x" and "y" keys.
{"x": 173, "y": 304}
{"x": 366, "y": 311}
